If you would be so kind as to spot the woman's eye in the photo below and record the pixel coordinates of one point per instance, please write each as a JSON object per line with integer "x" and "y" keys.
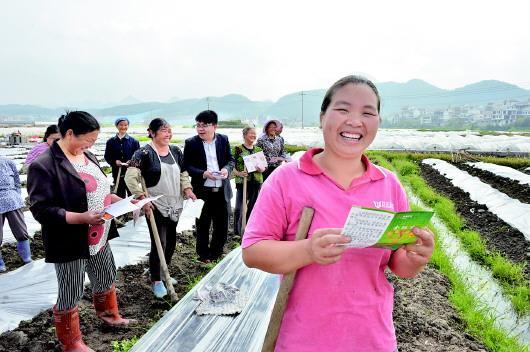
{"x": 369, "y": 114}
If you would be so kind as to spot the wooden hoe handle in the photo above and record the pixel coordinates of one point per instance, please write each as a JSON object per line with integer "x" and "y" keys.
{"x": 285, "y": 287}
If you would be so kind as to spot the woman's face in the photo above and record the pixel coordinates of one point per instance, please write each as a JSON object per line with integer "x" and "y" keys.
{"x": 271, "y": 129}
{"x": 122, "y": 127}
{"x": 52, "y": 137}
{"x": 250, "y": 137}
{"x": 351, "y": 121}
{"x": 163, "y": 135}
{"x": 82, "y": 142}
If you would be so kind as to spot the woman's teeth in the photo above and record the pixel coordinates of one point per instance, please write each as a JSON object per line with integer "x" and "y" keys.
{"x": 351, "y": 136}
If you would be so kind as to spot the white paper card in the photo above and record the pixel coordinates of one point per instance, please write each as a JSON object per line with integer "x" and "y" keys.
{"x": 365, "y": 227}
{"x": 191, "y": 210}
{"x": 253, "y": 161}
{"x": 125, "y": 206}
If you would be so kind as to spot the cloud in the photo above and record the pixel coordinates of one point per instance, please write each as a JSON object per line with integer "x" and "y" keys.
{"x": 62, "y": 52}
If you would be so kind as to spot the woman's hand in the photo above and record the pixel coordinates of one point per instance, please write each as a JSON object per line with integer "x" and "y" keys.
{"x": 188, "y": 193}
{"x": 92, "y": 217}
{"x": 324, "y": 246}
{"x": 240, "y": 173}
{"x": 420, "y": 252}
{"x": 147, "y": 208}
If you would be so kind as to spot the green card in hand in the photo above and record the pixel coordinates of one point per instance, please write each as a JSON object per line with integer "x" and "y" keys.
{"x": 382, "y": 228}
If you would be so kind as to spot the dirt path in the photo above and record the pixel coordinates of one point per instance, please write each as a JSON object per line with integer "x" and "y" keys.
{"x": 423, "y": 317}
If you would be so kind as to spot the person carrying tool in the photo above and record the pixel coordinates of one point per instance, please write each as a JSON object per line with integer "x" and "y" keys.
{"x": 68, "y": 192}
{"x": 341, "y": 299}
{"x": 254, "y": 179}
{"x": 118, "y": 151}
{"x": 161, "y": 166}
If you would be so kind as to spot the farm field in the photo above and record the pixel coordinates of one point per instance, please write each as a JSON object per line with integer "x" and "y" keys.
{"x": 440, "y": 310}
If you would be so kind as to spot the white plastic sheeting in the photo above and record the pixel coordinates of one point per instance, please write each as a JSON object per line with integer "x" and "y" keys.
{"x": 31, "y": 224}
{"x": 398, "y": 139}
{"x": 512, "y": 211}
{"x": 503, "y": 171}
{"x": 479, "y": 281}
{"x": 181, "y": 329}
{"x": 31, "y": 289}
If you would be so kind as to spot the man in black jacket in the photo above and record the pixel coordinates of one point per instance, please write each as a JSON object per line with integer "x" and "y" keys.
{"x": 209, "y": 161}
{"x": 118, "y": 151}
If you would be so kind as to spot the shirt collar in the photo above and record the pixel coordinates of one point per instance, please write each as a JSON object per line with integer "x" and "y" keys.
{"x": 212, "y": 142}
{"x": 126, "y": 136}
{"x": 308, "y": 165}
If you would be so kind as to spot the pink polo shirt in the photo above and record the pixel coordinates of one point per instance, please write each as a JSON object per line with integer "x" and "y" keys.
{"x": 346, "y": 306}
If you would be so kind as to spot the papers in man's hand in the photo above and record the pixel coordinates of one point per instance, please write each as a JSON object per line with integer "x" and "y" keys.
{"x": 191, "y": 210}
{"x": 253, "y": 161}
{"x": 125, "y": 206}
{"x": 374, "y": 227}
{"x": 218, "y": 175}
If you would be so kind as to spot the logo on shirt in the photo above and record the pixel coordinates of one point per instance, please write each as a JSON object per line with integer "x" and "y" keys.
{"x": 379, "y": 204}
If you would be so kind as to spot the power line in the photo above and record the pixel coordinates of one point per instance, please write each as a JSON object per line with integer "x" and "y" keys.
{"x": 302, "y": 95}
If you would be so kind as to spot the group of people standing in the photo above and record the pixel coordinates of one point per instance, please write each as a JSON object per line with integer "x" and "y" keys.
{"x": 69, "y": 191}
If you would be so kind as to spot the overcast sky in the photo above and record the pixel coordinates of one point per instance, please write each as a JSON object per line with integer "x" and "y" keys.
{"x": 60, "y": 52}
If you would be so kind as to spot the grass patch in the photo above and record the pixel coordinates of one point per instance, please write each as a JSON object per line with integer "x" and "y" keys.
{"x": 479, "y": 321}
{"x": 509, "y": 275}
{"x": 123, "y": 345}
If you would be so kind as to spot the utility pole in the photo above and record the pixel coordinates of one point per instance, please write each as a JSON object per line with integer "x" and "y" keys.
{"x": 208, "y": 102}
{"x": 302, "y": 95}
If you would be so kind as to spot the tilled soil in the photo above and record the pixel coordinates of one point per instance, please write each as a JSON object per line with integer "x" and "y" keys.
{"x": 135, "y": 300}
{"x": 423, "y": 317}
{"x": 511, "y": 188}
{"x": 10, "y": 254}
{"x": 499, "y": 236}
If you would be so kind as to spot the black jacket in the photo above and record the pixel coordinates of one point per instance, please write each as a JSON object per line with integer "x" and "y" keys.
{"x": 120, "y": 149}
{"x": 55, "y": 187}
{"x": 147, "y": 161}
{"x": 195, "y": 162}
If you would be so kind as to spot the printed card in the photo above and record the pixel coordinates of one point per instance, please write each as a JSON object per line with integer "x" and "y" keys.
{"x": 381, "y": 228}
{"x": 253, "y": 161}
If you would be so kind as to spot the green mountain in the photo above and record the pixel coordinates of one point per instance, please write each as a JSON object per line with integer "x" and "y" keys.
{"x": 288, "y": 108}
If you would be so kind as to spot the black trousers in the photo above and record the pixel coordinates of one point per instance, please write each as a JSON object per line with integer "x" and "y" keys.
{"x": 252, "y": 195}
{"x": 214, "y": 211}
{"x": 167, "y": 231}
{"x": 268, "y": 171}
{"x": 122, "y": 190}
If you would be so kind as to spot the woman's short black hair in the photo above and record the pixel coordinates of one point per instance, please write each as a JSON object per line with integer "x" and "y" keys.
{"x": 51, "y": 129}
{"x": 353, "y": 79}
{"x": 155, "y": 125}
{"x": 80, "y": 122}
{"x": 207, "y": 116}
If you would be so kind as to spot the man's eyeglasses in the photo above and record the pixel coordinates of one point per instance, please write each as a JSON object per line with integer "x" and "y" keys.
{"x": 202, "y": 125}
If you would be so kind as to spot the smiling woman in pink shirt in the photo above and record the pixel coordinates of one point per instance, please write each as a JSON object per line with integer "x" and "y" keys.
{"x": 341, "y": 299}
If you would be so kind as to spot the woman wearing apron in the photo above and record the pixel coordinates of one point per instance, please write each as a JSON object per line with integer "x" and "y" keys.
{"x": 161, "y": 167}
